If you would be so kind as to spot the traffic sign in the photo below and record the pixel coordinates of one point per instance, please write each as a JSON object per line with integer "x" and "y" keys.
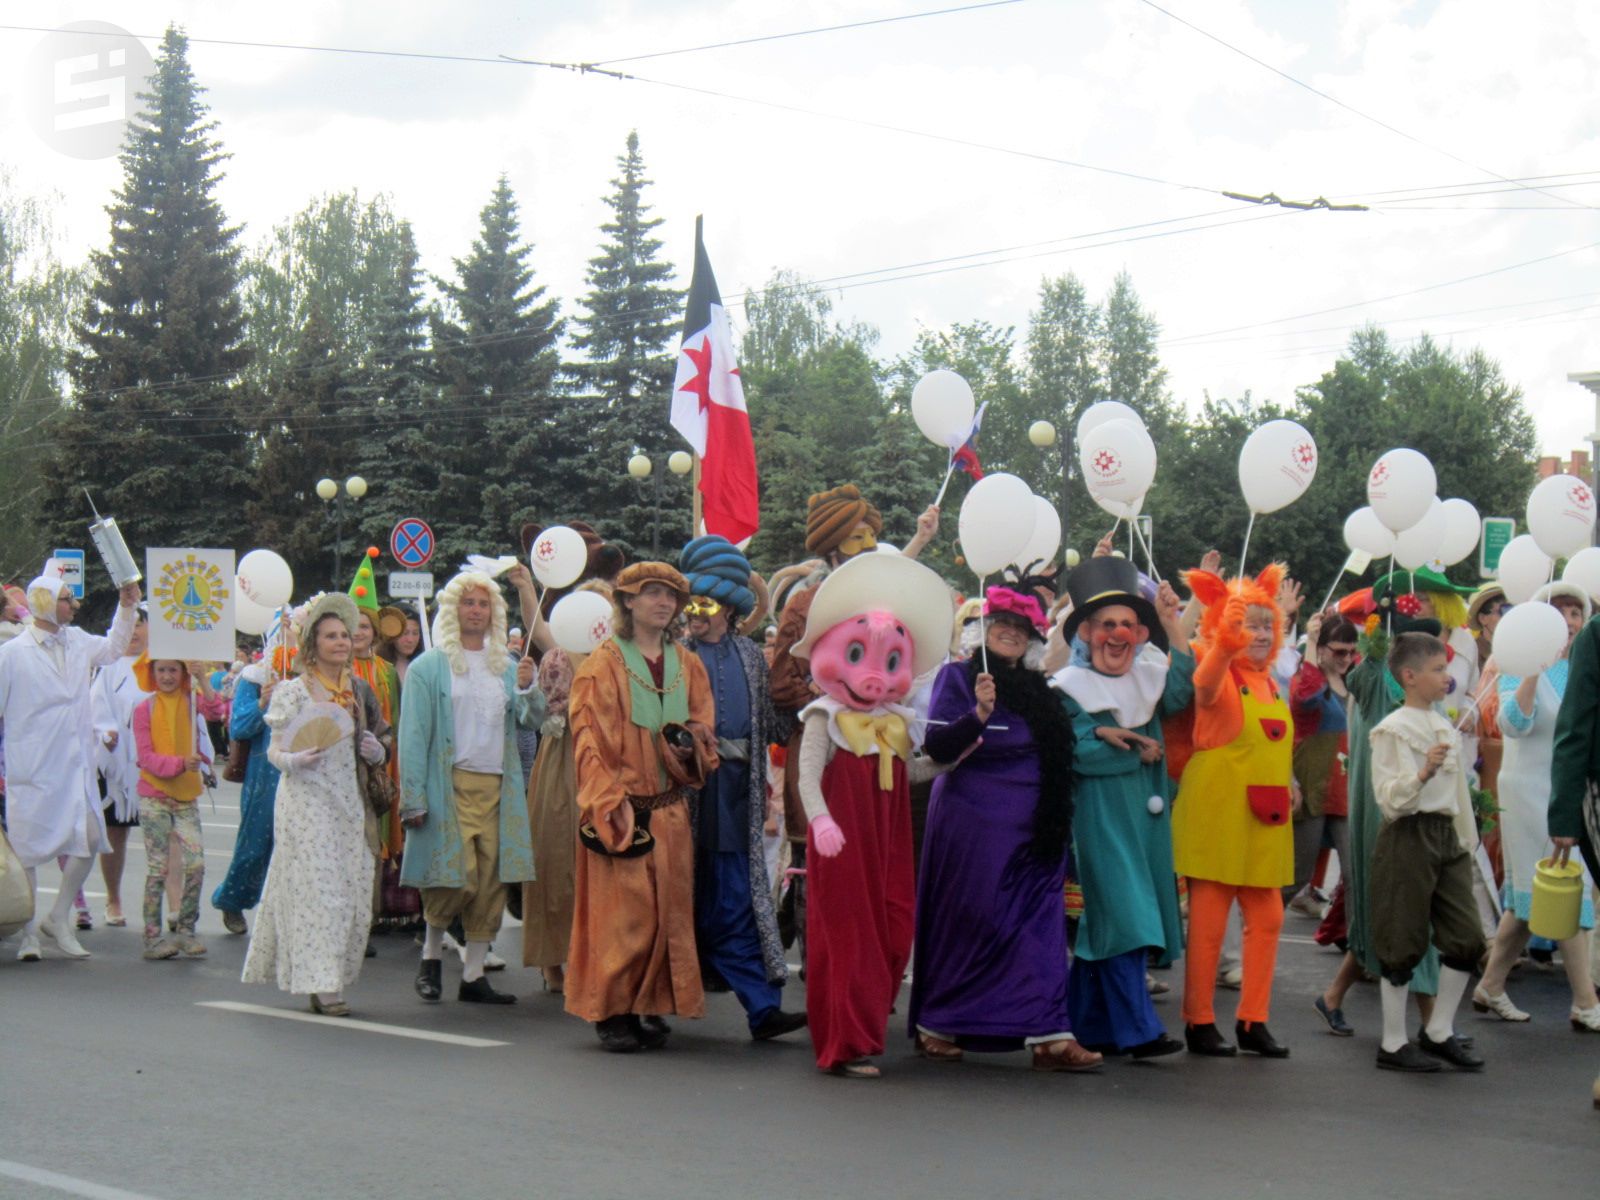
{"x": 71, "y": 565}
{"x": 409, "y": 585}
{"x": 1497, "y": 535}
{"x": 411, "y": 543}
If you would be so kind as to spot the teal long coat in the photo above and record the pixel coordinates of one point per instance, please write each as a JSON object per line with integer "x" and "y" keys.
{"x": 427, "y": 758}
{"x": 1122, "y": 852}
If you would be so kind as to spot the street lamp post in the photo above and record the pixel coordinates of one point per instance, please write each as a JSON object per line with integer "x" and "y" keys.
{"x": 355, "y": 487}
{"x": 679, "y": 462}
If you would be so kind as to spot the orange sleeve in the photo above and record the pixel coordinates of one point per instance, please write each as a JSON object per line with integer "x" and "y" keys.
{"x": 598, "y": 716}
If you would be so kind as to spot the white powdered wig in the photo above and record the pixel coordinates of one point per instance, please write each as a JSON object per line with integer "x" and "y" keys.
{"x": 447, "y": 624}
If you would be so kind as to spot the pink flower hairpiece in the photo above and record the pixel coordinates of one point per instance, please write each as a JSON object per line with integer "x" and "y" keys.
{"x": 1004, "y": 600}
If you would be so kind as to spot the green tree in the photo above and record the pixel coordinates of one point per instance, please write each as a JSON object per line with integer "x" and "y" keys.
{"x": 152, "y": 428}
{"x": 38, "y": 293}
{"x": 495, "y": 345}
{"x": 626, "y": 335}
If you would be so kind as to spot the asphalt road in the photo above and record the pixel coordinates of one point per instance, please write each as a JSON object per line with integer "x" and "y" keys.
{"x": 118, "y": 1077}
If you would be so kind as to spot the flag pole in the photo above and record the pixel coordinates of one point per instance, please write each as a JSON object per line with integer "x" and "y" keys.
{"x": 699, "y": 503}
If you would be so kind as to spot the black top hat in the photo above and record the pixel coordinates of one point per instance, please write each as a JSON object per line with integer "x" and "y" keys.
{"x": 1109, "y": 580}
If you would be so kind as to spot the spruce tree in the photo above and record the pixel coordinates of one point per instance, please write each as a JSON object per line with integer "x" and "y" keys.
{"x": 153, "y": 429}
{"x": 495, "y": 345}
{"x": 628, "y": 335}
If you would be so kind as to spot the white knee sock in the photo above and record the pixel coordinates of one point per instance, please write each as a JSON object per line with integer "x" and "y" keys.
{"x": 472, "y": 965}
{"x": 432, "y": 943}
{"x": 32, "y": 929}
{"x": 72, "y": 877}
{"x": 1394, "y": 1015}
{"x": 1452, "y": 986}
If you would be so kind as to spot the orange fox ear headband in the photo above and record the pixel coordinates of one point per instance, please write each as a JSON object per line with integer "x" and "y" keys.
{"x": 1261, "y": 592}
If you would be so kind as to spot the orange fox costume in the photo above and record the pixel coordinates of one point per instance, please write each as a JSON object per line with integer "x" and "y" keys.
{"x": 1231, "y": 830}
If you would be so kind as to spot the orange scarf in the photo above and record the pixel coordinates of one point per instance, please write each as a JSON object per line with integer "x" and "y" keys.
{"x": 172, "y": 732}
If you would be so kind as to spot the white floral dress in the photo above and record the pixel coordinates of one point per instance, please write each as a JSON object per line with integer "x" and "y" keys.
{"x": 316, "y": 909}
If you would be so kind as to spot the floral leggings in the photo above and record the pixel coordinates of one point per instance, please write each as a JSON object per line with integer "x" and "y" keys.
{"x": 161, "y": 819}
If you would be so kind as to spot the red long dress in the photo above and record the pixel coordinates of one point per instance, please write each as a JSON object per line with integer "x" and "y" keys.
{"x": 859, "y": 921}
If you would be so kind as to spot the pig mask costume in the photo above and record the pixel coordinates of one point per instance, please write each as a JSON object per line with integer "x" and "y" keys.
{"x": 878, "y": 623}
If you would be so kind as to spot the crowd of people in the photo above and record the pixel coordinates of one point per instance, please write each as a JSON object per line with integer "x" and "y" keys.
{"x": 1042, "y": 797}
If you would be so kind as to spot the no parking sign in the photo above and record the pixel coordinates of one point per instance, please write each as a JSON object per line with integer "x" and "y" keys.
{"x": 411, "y": 543}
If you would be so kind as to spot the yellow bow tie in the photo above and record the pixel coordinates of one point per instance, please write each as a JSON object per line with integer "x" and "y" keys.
{"x": 887, "y": 734}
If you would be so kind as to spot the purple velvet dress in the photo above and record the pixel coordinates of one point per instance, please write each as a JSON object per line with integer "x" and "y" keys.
{"x": 990, "y": 968}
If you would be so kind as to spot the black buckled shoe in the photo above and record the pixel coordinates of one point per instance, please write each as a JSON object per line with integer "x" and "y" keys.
{"x": 1255, "y": 1038}
{"x": 1157, "y": 1047}
{"x": 1407, "y": 1058}
{"x": 616, "y": 1034}
{"x": 429, "y": 982}
{"x": 777, "y": 1023}
{"x": 652, "y": 1032}
{"x": 1208, "y": 1040}
{"x": 479, "y": 991}
{"x": 1451, "y": 1050}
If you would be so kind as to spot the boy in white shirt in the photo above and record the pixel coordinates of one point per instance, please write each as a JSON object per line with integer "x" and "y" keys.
{"x": 1422, "y": 862}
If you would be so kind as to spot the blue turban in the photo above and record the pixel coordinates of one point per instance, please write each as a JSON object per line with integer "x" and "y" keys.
{"x": 718, "y": 570}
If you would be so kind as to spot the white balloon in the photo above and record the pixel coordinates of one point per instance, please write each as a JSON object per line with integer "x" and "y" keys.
{"x": 1277, "y": 463}
{"x": 1583, "y": 569}
{"x": 1118, "y": 461}
{"x": 996, "y": 522}
{"x": 1529, "y": 639}
{"x": 581, "y": 621}
{"x": 1046, "y": 538}
{"x": 1561, "y": 515}
{"x": 943, "y": 407}
{"x": 1365, "y": 533}
{"x": 250, "y": 618}
{"x": 264, "y": 577}
{"x": 558, "y": 556}
{"x": 1462, "y": 530}
{"x": 1401, "y": 487}
{"x": 888, "y": 548}
{"x": 1524, "y": 568}
{"x": 1099, "y": 413}
{"x": 1418, "y": 546}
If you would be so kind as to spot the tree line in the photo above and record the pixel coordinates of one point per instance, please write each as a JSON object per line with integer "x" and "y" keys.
{"x": 199, "y": 387}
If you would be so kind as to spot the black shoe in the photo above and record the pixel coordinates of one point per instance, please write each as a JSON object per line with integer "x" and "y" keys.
{"x": 1207, "y": 1040}
{"x": 429, "y": 983}
{"x": 652, "y": 1032}
{"x": 372, "y": 951}
{"x": 478, "y": 991}
{"x": 1255, "y": 1038}
{"x": 1462, "y": 1058}
{"x": 616, "y": 1034}
{"x": 777, "y": 1023}
{"x": 1157, "y": 1047}
{"x": 1407, "y": 1058}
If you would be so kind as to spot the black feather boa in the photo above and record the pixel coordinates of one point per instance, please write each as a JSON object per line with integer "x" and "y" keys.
{"x": 1025, "y": 692}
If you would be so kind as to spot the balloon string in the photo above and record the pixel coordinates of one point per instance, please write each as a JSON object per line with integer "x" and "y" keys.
{"x": 1334, "y": 586}
{"x": 1149, "y": 557}
{"x": 538, "y": 608}
{"x": 1485, "y": 681}
{"x": 1244, "y": 554}
{"x": 949, "y": 473}
{"x": 983, "y": 631}
{"x": 422, "y": 620}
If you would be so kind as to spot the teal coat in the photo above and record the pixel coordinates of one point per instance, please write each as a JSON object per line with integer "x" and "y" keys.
{"x": 1122, "y": 851}
{"x": 427, "y": 758}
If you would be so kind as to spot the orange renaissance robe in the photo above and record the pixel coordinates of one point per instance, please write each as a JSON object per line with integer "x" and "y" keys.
{"x": 633, "y": 947}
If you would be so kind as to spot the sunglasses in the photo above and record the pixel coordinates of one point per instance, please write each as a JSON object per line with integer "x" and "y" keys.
{"x": 1337, "y": 653}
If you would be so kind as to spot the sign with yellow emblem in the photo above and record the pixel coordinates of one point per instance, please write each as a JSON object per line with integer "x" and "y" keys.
{"x": 191, "y": 603}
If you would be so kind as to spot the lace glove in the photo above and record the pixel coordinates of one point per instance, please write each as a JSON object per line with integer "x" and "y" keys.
{"x": 292, "y": 761}
{"x": 371, "y": 749}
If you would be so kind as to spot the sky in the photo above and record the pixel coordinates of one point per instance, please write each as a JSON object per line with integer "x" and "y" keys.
{"x": 1015, "y": 142}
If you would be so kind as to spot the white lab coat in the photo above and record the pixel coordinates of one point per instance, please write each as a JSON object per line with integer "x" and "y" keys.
{"x": 114, "y": 696}
{"x": 52, "y": 803}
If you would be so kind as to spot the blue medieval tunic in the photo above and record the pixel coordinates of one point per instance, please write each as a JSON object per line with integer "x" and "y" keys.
{"x": 252, "y": 848}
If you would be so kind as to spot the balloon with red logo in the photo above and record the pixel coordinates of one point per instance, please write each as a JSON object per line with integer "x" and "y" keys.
{"x": 1561, "y": 515}
{"x": 558, "y": 556}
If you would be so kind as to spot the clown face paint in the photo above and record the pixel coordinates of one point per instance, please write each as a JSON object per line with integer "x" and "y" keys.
{"x": 864, "y": 662}
{"x": 1114, "y": 636}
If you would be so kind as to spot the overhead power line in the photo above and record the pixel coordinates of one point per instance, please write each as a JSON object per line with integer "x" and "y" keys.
{"x": 1331, "y": 99}
{"x": 778, "y": 37}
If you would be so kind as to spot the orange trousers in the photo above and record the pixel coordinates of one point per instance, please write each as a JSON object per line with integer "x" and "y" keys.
{"x": 1262, "y": 909}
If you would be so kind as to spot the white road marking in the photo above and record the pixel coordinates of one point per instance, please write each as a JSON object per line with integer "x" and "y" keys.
{"x": 421, "y": 1035}
{"x": 66, "y": 1183}
{"x": 57, "y": 891}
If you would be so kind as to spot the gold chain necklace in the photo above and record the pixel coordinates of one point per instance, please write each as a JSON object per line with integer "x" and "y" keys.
{"x": 649, "y": 685}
